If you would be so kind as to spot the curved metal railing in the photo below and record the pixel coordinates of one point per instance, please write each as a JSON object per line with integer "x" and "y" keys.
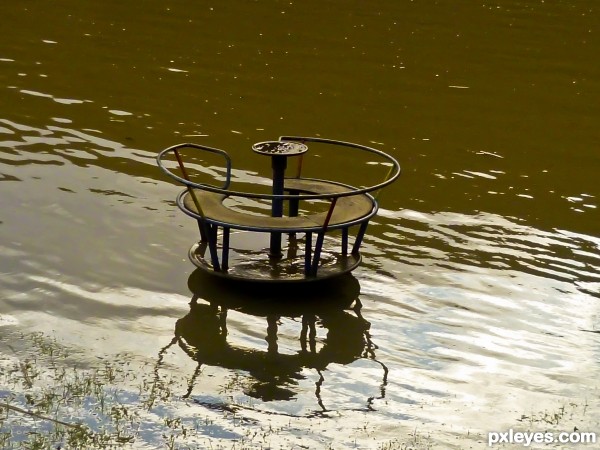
{"x": 393, "y": 173}
{"x": 175, "y": 150}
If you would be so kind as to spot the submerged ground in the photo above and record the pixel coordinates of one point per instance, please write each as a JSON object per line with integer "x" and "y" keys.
{"x": 480, "y": 286}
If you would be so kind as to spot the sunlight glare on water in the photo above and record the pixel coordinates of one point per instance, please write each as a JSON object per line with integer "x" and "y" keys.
{"x": 480, "y": 281}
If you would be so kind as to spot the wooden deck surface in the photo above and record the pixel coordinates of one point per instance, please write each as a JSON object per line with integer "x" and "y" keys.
{"x": 346, "y": 210}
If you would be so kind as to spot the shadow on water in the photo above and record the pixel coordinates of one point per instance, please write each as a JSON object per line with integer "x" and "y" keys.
{"x": 333, "y": 306}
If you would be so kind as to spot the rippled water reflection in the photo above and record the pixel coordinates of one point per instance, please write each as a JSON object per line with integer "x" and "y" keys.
{"x": 481, "y": 277}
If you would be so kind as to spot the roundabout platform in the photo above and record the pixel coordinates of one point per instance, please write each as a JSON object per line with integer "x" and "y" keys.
{"x": 299, "y": 245}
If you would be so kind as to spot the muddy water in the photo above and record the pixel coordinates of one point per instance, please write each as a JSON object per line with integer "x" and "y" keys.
{"x": 480, "y": 288}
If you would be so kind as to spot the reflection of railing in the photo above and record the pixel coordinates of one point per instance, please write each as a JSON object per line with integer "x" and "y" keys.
{"x": 202, "y": 334}
{"x": 349, "y": 206}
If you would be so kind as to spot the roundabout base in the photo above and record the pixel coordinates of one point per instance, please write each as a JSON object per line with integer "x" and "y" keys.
{"x": 249, "y": 259}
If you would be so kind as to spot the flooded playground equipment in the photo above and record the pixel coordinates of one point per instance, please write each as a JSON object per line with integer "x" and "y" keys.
{"x": 300, "y": 245}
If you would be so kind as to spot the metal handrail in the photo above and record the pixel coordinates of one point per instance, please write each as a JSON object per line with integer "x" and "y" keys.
{"x": 392, "y": 176}
{"x": 174, "y": 149}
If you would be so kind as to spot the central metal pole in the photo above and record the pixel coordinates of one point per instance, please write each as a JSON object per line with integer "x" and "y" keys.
{"x": 279, "y": 164}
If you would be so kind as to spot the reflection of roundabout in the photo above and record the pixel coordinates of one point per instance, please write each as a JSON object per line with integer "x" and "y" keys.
{"x": 335, "y": 310}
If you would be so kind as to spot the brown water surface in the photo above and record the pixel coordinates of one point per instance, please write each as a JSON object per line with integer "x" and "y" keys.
{"x": 481, "y": 277}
